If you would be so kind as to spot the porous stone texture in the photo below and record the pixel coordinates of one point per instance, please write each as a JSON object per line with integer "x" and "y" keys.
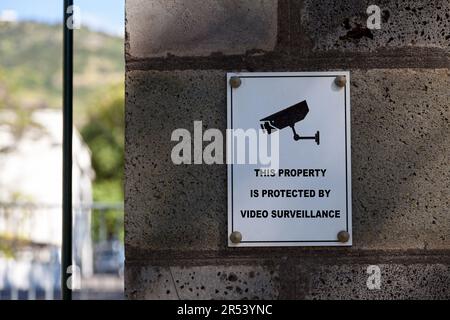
{"x": 311, "y": 279}
{"x": 342, "y": 25}
{"x": 176, "y": 215}
{"x": 241, "y": 282}
{"x": 400, "y": 155}
{"x": 149, "y": 283}
{"x": 171, "y": 206}
{"x": 157, "y": 28}
{"x": 400, "y": 152}
{"x": 397, "y": 281}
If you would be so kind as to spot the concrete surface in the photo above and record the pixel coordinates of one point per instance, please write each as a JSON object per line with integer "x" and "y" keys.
{"x": 310, "y": 277}
{"x": 197, "y": 27}
{"x": 168, "y": 206}
{"x": 205, "y": 282}
{"x": 269, "y": 30}
{"x": 400, "y": 152}
{"x": 175, "y": 222}
{"x": 398, "y": 281}
{"x": 400, "y": 155}
{"x": 342, "y": 25}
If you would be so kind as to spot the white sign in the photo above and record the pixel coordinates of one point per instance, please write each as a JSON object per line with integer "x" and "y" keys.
{"x": 299, "y": 192}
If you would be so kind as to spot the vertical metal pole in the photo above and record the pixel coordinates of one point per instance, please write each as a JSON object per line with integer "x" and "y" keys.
{"x": 66, "y": 254}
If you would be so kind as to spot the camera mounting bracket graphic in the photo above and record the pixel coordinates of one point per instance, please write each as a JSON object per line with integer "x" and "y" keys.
{"x": 288, "y": 118}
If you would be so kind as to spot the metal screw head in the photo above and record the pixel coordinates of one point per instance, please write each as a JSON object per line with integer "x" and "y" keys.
{"x": 343, "y": 236}
{"x": 235, "y": 82}
{"x": 340, "y": 81}
{"x": 236, "y": 237}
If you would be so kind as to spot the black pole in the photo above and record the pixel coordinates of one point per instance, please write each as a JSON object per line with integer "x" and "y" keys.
{"x": 66, "y": 254}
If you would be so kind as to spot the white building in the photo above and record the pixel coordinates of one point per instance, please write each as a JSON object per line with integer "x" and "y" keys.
{"x": 31, "y": 186}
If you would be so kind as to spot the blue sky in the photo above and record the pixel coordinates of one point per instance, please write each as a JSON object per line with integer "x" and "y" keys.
{"x": 100, "y": 15}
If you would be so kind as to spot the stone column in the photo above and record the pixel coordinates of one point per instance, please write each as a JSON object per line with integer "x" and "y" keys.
{"x": 177, "y": 55}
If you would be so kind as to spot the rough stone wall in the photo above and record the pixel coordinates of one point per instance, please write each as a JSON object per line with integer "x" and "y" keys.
{"x": 177, "y": 55}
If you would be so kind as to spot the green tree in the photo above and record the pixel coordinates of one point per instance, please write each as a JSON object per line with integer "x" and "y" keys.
{"x": 104, "y": 134}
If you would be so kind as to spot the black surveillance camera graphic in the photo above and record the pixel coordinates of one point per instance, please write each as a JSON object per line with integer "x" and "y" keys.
{"x": 288, "y": 118}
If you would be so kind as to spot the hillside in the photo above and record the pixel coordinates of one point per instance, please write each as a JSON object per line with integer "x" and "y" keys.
{"x": 31, "y": 66}
{"x": 31, "y": 79}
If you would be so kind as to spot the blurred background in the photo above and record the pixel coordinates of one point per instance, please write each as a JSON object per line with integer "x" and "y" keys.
{"x": 31, "y": 149}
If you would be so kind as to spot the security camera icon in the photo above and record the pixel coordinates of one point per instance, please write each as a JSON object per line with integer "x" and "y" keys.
{"x": 288, "y": 118}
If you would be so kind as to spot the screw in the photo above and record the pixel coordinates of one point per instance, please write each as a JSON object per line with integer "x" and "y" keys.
{"x": 343, "y": 236}
{"x": 235, "y": 82}
{"x": 340, "y": 81}
{"x": 236, "y": 237}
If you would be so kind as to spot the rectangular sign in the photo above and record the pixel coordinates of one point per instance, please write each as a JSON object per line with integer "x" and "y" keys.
{"x": 289, "y": 172}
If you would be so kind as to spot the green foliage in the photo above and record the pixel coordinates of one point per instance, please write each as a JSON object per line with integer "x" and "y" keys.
{"x": 6, "y": 248}
{"x": 19, "y": 118}
{"x": 31, "y": 57}
{"x": 109, "y": 223}
{"x": 31, "y": 77}
{"x": 3, "y": 90}
{"x": 104, "y": 134}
